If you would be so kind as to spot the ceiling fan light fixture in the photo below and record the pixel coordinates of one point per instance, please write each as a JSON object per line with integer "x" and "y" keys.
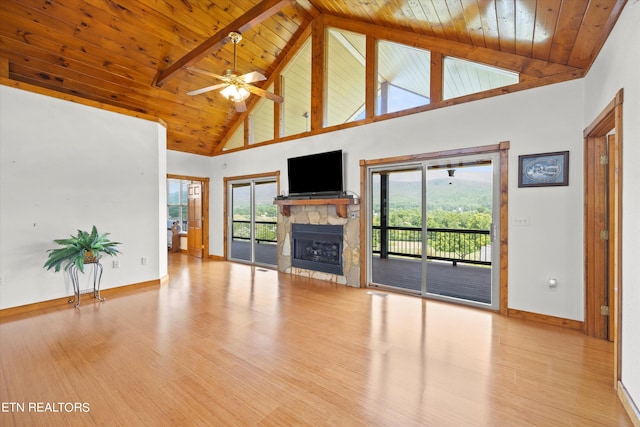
{"x": 235, "y": 93}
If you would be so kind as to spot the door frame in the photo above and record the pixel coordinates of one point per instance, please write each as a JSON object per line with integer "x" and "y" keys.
{"x": 608, "y": 121}
{"x": 503, "y": 149}
{"x": 205, "y": 208}
{"x": 240, "y": 178}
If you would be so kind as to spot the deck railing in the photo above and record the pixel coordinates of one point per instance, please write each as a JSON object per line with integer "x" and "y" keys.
{"x": 446, "y": 244}
{"x": 266, "y": 231}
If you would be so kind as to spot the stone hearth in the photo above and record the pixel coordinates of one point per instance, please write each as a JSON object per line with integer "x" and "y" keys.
{"x": 322, "y": 214}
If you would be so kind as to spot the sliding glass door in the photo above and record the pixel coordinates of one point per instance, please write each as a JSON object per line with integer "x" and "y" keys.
{"x": 252, "y": 221}
{"x": 397, "y": 222}
{"x": 432, "y": 228}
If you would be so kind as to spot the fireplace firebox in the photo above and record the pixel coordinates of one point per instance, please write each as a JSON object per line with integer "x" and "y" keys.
{"x": 317, "y": 247}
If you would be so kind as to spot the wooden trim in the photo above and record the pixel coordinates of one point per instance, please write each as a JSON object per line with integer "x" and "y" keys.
{"x": 217, "y": 258}
{"x": 64, "y": 301}
{"x": 434, "y": 155}
{"x": 371, "y": 82}
{"x": 245, "y": 129}
{"x": 339, "y": 203}
{"x": 309, "y": 9}
{"x": 504, "y": 227}
{"x": 247, "y": 21}
{"x": 628, "y": 404}
{"x": 605, "y": 121}
{"x": 437, "y": 78}
{"x": 364, "y": 214}
{"x": 187, "y": 177}
{"x": 205, "y": 218}
{"x": 616, "y": 237}
{"x": 4, "y": 67}
{"x": 278, "y": 116}
{"x": 275, "y": 174}
{"x": 78, "y": 100}
{"x": 318, "y": 72}
{"x": 543, "y": 318}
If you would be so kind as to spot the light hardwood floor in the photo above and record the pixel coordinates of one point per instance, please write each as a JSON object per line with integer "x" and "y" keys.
{"x": 229, "y": 344}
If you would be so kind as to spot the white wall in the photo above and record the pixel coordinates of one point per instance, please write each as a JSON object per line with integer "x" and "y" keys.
{"x": 65, "y": 166}
{"x": 187, "y": 164}
{"x": 618, "y": 66}
{"x": 534, "y": 121}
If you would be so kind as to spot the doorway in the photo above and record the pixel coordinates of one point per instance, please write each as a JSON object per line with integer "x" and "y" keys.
{"x": 252, "y": 219}
{"x": 188, "y": 206}
{"x": 433, "y": 225}
{"x": 603, "y": 226}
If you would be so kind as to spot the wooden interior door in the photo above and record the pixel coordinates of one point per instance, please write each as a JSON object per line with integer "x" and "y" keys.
{"x": 596, "y": 237}
{"x": 194, "y": 231}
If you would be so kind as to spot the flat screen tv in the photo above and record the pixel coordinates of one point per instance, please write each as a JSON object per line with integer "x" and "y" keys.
{"x": 316, "y": 175}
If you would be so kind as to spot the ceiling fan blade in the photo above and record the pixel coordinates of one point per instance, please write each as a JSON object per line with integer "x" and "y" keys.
{"x": 241, "y": 107}
{"x": 252, "y": 77}
{"x": 207, "y": 89}
{"x": 207, "y": 73}
{"x": 264, "y": 93}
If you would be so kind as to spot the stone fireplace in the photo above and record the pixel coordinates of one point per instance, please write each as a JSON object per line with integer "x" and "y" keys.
{"x": 327, "y": 244}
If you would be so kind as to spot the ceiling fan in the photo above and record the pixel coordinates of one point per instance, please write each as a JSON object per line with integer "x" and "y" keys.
{"x": 235, "y": 87}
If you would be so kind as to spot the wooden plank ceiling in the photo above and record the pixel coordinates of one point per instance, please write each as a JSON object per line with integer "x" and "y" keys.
{"x": 113, "y": 51}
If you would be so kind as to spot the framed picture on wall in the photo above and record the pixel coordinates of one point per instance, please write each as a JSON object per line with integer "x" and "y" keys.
{"x": 543, "y": 170}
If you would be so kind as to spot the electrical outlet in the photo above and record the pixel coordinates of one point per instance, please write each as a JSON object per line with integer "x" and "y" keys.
{"x": 520, "y": 221}
{"x": 144, "y": 260}
{"x": 116, "y": 263}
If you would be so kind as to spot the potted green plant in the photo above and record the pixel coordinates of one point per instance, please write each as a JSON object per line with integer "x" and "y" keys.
{"x": 83, "y": 248}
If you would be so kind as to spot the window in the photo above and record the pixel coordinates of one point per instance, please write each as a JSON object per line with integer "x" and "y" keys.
{"x": 236, "y": 140}
{"x": 177, "y": 202}
{"x": 464, "y": 77}
{"x": 261, "y": 120}
{"x": 296, "y": 89}
{"x": 345, "y": 97}
{"x": 403, "y": 77}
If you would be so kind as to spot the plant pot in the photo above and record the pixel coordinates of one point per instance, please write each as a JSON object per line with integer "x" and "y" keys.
{"x": 89, "y": 257}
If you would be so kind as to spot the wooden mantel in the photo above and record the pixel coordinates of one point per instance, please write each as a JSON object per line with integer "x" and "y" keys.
{"x": 340, "y": 204}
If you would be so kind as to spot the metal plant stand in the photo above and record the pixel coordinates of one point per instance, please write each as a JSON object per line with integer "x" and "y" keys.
{"x": 97, "y": 276}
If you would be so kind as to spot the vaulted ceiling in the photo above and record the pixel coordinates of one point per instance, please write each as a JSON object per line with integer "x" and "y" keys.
{"x": 133, "y": 54}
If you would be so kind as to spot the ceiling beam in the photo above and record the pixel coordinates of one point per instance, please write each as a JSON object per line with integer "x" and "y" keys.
{"x": 4, "y": 67}
{"x": 252, "y": 18}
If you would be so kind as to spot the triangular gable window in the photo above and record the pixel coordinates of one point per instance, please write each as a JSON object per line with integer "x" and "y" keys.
{"x": 465, "y": 77}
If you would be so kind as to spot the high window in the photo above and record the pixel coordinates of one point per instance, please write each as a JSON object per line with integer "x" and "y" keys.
{"x": 465, "y": 77}
{"x": 296, "y": 90}
{"x": 345, "y": 94}
{"x": 403, "y": 77}
{"x": 402, "y": 80}
{"x": 261, "y": 120}
{"x": 237, "y": 139}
